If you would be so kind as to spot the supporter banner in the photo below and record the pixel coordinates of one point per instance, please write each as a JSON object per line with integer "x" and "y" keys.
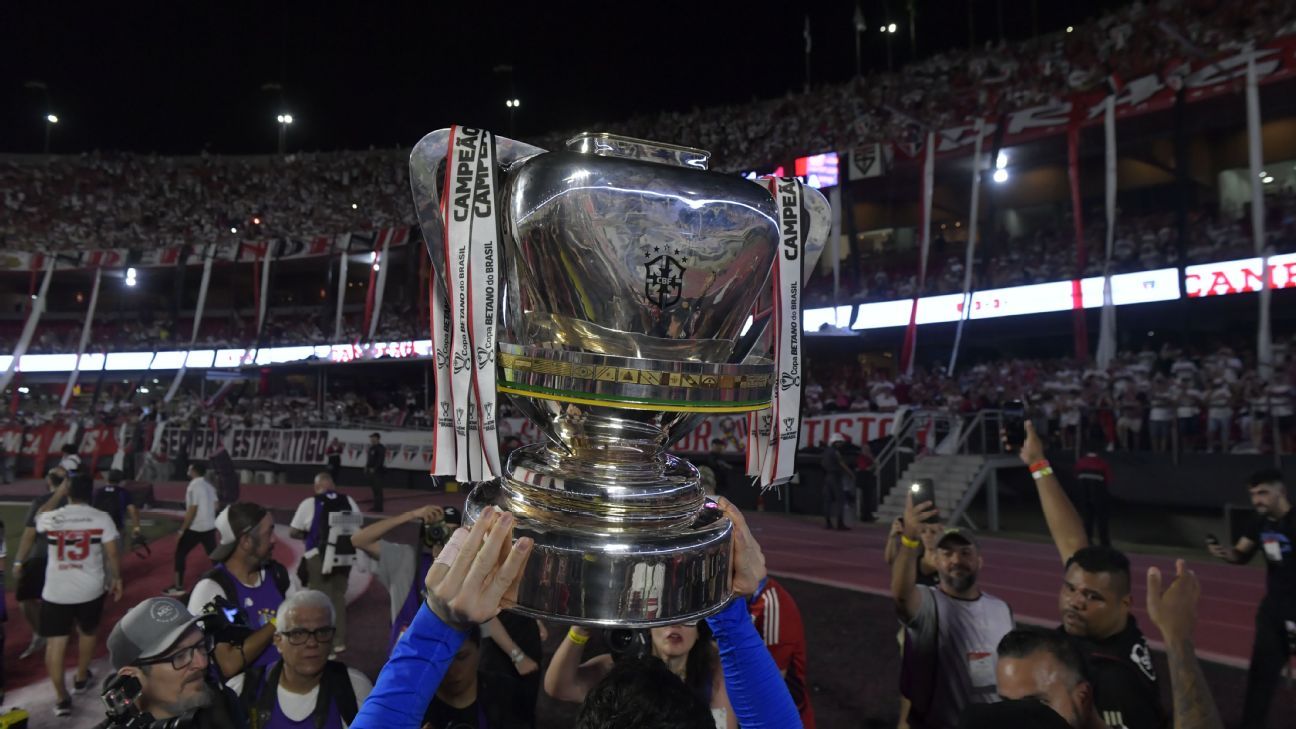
{"x": 412, "y": 449}
{"x": 1153, "y": 92}
{"x": 283, "y": 249}
{"x": 868, "y": 160}
{"x": 48, "y": 441}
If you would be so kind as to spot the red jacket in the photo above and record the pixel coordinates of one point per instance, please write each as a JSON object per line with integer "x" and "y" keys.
{"x": 778, "y": 621}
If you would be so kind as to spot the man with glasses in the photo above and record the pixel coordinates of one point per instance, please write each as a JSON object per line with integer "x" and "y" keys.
{"x": 304, "y": 684}
{"x": 249, "y": 579}
{"x": 161, "y": 644}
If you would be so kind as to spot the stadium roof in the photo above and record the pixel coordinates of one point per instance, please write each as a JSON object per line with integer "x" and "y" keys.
{"x": 181, "y": 78}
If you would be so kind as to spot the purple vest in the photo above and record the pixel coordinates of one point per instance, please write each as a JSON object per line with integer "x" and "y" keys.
{"x": 412, "y": 600}
{"x": 278, "y": 720}
{"x": 261, "y": 603}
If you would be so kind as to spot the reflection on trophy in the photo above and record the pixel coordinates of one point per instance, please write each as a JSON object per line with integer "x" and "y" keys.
{"x": 627, "y": 276}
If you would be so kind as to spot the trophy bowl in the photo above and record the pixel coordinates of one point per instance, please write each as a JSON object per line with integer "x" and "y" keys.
{"x": 630, "y": 278}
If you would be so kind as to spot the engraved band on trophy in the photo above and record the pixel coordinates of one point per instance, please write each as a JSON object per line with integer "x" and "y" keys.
{"x": 621, "y": 280}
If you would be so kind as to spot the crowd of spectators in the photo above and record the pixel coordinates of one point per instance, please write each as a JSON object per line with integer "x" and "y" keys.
{"x": 103, "y": 200}
{"x": 945, "y": 89}
{"x": 1212, "y": 399}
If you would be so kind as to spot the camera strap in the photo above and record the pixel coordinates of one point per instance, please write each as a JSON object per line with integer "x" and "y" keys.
{"x": 470, "y": 203}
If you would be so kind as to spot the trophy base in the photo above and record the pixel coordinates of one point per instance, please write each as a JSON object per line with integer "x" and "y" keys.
{"x": 665, "y": 576}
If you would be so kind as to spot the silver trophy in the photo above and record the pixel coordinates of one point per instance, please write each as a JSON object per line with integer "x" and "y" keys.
{"x": 629, "y": 273}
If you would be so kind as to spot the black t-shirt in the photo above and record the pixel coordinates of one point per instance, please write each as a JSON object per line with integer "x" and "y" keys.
{"x": 1274, "y": 539}
{"x": 1124, "y": 679}
{"x": 441, "y": 715}
{"x": 112, "y": 500}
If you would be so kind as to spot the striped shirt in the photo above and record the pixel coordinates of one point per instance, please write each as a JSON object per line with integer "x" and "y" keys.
{"x": 778, "y": 622}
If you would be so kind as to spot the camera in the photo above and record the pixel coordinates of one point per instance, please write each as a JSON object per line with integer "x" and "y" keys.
{"x": 623, "y": 642}
{"x": 437, "y": 533}
{"x": 121, "y": 702}
{"x": 224, "y": 621}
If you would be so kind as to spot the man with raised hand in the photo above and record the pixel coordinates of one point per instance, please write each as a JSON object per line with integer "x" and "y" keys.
{"x": 951, "y": 630}
{"x": 1095, "y": 603}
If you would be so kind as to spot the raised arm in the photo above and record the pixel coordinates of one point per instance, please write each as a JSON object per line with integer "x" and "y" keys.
{"x": 1175, "y": 613}
{"x": 892, "y": 547}
{"x": 522, "y": 663}
{"x": 756, "y": 690}
{"x": 567, "y": 679}
{"x": 473, "y": 577}
{"x": 1064, "y": 522}
{"x": 367, "y": 538}
{"x": 904, "y": 570}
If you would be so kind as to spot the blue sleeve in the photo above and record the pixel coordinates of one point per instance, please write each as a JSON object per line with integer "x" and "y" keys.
{"x": 757, "y": 692}
{"x": 411, "y": 676}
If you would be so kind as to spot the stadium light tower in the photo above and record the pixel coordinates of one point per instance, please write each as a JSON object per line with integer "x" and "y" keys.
{"x": 284, "y": 121}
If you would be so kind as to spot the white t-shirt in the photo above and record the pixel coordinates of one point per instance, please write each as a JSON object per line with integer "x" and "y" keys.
{"x": 76, "y": 534}
{"x": 300, "y": 707}
{"x": 202, "y": 494}
{"x": 305, "y": 514}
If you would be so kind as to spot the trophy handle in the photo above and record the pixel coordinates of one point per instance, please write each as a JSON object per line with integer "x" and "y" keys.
{"x": 820, "y": 214}
{"x": 425, "y": 159}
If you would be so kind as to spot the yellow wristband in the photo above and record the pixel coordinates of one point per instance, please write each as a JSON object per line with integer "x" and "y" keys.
{"x": 910, "y": 543}
{"x": 1045, "y": 471}
{"x": 576, "y": 638}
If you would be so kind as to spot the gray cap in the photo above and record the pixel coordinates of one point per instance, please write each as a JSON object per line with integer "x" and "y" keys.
{"x": 147, "y": 630}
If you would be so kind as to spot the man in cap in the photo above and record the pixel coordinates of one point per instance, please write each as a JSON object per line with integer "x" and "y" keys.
{"x": 246, "y": 577}
{"x": 954, "y": 618}
{"x": 838, "y": 479}
{"x": 161, "y": 645}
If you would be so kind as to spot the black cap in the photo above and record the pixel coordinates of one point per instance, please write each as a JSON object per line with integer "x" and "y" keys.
{"x": 116, "y": 476}
{"x": 1020, "y": 714}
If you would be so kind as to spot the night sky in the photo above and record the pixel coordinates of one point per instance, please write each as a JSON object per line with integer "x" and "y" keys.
{"x": 182, "y": 77}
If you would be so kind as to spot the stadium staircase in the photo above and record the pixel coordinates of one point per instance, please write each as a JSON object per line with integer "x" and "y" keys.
{"x": 959, "y": 454}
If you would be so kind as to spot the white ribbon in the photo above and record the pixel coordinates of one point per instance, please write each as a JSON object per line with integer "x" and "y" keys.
{"x": 471, "y": 232}
{"x": 208, "y": 257}
{"x": 341, "y": 292}
{"x": 24, "y": 340}
{"x": 380, "y": 286}
{"x": 443, "y": 433}
{"x": 85, "y": 340}
{"x": 265, "y": 286}
{"x": 779, "y": 463}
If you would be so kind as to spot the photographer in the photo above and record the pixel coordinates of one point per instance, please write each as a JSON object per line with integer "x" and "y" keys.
{"x": 400, "y": 567}
{"x": 1273, "y": 532}
{"x": 161, "y": 653}
{"x": 247, "y": 577}
{"x": 310, "y": 523}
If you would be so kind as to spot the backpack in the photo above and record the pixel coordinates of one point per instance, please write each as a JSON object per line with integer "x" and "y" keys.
{"x": 260, "y": 692}
{"x": 278, "y": 573}
{"x": 327, "y": 503}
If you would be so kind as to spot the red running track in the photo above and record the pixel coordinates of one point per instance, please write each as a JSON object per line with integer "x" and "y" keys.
{"x": 1025, "y": 574}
